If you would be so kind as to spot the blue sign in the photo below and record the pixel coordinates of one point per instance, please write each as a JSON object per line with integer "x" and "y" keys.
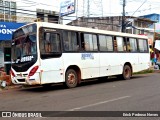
{"x": 7, "y": 28}
{"x": 87, "y": 56}
{"x": 67, "y": 7}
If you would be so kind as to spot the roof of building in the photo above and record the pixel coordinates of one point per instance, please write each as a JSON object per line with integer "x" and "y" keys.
{"x": 127, "y": 17}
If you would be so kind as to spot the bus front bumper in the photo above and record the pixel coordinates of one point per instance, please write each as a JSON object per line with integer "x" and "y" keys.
{"x": 26, "y": 80}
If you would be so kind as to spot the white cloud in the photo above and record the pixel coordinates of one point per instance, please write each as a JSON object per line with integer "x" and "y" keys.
{"x": 33, "y": 4}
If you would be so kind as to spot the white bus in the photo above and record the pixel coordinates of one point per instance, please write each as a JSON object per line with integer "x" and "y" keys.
{"x": 46, "y": 53}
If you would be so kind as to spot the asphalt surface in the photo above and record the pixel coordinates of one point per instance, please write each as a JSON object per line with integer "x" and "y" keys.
{"x": 141, "y": 93}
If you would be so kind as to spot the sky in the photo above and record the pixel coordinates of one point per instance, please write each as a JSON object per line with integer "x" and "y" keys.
{"x": 41, "y": 4}
{"x": 132, "y": 8}
{"x": 110, "y": 7}
{"x": 107, "y": 8}
{"x": 114, "y": 7}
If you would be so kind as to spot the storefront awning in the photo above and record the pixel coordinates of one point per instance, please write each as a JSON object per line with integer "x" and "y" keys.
{"x": 7, "y": 28}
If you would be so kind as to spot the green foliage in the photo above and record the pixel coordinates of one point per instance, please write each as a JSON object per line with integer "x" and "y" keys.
{"x": 145, "y": 71}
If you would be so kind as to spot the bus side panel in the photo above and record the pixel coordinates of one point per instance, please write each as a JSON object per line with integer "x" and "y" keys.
{"x": 110, "y": 64}
{"x": 90, "y": 65}
{"x": 71, "y": 59}
{"x": 144, "y": 61}
{"x": 52, "y": 70}
{"x": 132, "y": 58}
{"x": 113, "y": 63}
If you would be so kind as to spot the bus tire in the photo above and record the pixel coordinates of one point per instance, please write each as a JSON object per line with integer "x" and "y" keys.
{"x": 71, "y": 78}
{"x": 127, "y": 72}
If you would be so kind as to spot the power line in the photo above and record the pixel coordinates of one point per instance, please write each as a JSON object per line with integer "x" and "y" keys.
{"x": 143, "y": 10}
{"x": 139, "y": 7}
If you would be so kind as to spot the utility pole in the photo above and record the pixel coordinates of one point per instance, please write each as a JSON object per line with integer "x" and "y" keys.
{"x": 123, "y": 17}
{"x": 88, "y": 8}
{"x": 76, "y": 10}
{"x": 102, "y": 8}
{"x": 83, "y": 8}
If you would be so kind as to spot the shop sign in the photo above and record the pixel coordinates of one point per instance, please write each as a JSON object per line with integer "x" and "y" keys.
{"x": 7, "y": 28}
{"x": 67, "y": 7}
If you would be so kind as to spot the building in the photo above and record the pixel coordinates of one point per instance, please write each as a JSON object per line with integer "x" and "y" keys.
{"x": 154, "y": 17}
{"x": 156, "y": 26}
{"x": 7, "y": 11}
{"x": 47, "y": 15}
{"x": 133, "y": 25}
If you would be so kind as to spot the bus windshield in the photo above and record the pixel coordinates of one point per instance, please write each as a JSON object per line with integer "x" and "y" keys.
{"x": 24, "y": 48}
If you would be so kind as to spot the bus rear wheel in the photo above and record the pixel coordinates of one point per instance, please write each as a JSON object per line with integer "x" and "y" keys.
{"x": 71, "y": 78}
{"x": 127, "y": 73}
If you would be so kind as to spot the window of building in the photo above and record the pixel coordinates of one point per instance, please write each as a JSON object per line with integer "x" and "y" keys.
{"x": 131, "y": 45}
{"x": 1, "y": 11}
{"x": 70, "y": 41}
{"x": 13, "y": 5}
{"x": 7, "y": 12}
{"x": 142, "y": 45}
{"x": 6, "y": 4}
{"x": 1, "y": 2}
{"x": 106, "y": 43}
{"x": 89, "y": 42}
{"x": 13, "y": 12}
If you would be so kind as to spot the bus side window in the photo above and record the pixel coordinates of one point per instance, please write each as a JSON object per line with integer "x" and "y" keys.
{"x": 128, "y": 45}
{"x": 115, "y": 44}
{"x": 124, "y": 44}
{"x": 85, "y": 42}
{"x": 89, "y": 42}
{"x": 120, "y": 43}
{"x": 82, "y": 42}
{"x": 131, "y": 45}
{"x": 70, "y": 41}
{"x": 41, "y": 40}
{"x": 86, "y": 46}
{"x": 47, "y": 42}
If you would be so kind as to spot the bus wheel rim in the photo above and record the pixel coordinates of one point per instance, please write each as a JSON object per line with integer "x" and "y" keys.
{"x": 71, "y": 79}
{"x": 127, "y": 73}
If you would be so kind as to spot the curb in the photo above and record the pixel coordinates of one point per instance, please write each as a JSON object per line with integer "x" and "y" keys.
{"x": 156, "y": 71}
{"x": 21, "y": 86}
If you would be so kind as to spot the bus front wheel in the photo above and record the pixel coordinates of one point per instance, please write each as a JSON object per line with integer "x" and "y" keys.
{"x": 71, "y": 78}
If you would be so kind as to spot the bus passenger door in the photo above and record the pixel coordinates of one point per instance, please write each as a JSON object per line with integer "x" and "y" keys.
{"x": 50, "y": 53}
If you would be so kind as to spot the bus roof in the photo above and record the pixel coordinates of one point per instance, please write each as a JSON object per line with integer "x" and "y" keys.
{"x": 84, "y": 29}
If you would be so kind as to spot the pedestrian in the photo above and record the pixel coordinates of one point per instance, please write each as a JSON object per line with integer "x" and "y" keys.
{"x": 152, "y": 54}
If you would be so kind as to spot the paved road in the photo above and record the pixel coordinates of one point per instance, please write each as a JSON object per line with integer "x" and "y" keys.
{"x": 141, "y": 93}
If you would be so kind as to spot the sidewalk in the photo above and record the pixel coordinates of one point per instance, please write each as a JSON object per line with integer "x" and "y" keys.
{"x": 156, "y": 67}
